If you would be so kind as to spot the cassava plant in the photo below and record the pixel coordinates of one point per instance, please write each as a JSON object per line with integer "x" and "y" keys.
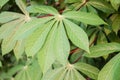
{"x": 60, "y": 39}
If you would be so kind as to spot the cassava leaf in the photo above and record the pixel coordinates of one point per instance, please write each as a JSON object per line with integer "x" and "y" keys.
{"x": 62, "y": 46}
{"x": 9, "y": 16}
{"x": 46, "y": 55}
{"x": 9, "y": 42}
{"x": 103, "y": 49}
{"x": 87, "y": 69}
{"x": 29, "y": 27}
{"x": 42, "y": 9}
{"x": 102, "y": 5}
{"x": 111, "y": 70}
{"x": 88, "y": 18}
{"x": 19, "y": 49}
{"x": 8, "y": 28}
{"x": 22, "y": 6}
{"x": 77, "y": 35}
{"x": 36, "y": 40}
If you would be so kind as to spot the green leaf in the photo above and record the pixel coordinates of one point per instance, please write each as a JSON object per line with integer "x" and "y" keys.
{"x": 46, "y": 56}
{"x": 72, "y": 1}
{"x": 36, "y": 40}
{"x": 87, "y": 69}
{"x": 9, "y": 16}
{"x": 103, "y": 49}
{"x": 29, "y": 27}
{"x": 88, "y": 18}
{"x": 56, "y": 74}
{"x": 19, "y": 49}
{"x": 115, "y": 3}
{"x": 3, "y": 2}
{"x": 6, "y": 29}
{"x": 102, "y": 5}
{"x": 111, "y": 70}
{"x": 29, "y": 72}
{"x": 62, "y": 46}
{"x": 9, "y": 42}
{"x": 116, "y": 23}
{"x": 77, "y": 35}
{"x": 22, "y": 6}
{"x": 42, "y": 9}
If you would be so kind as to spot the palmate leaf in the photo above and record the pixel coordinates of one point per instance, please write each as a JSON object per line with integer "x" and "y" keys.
{"x": 63, "y": 73}
{"x": 42, "y": 9}
{"x": 37, "y": 39}
{"x": 88, "y": 18}
{"x": 77, "y": 35}
{"x": 29, "y": 72}
{"x": 46, "y": 55}
{"x": 111, "y": 70}
{"x": 87, "y": 69}
{"x": 103, "y": 49}
{"x": 30, "y": 27}
{"x": 62, "y": 46}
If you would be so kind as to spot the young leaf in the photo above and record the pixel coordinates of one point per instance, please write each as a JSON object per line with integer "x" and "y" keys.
{"x": 37, "y": 39}
{"x": 62, "y": 46}
{"x": 111, "y": 70}
{"x": 88, "y": 18}
{"x": 102, "y": 5}
{"x": 46, "y": 55}
{"x": 103, "y": 49}
{"x": 77, "y": 35}
{"x": 3, "y": 2}
{"x": 42, "y": 9}
{"x": 29, "y": 27}
{"x": 9, "y": 16}
{"x": 87, "y": 69}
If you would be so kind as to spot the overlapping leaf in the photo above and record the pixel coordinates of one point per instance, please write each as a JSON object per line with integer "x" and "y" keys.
{"x": 46, "y": 55}
{"x": 111, "y": 70}
{"x": 37, "y": 39}
{"x": 3, "y": 2}
{"x": 103, "y": 49}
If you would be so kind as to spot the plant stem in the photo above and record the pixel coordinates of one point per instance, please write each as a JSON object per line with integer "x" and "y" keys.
{"x": 84, "y": 2}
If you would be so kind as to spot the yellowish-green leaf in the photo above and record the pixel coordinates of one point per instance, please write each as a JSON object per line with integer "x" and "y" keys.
{"x": 3, "y": 2}
{"x": 77, "y": 35}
